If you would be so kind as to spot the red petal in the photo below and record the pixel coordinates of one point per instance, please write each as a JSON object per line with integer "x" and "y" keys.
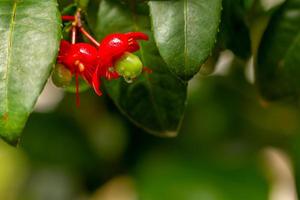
{"x": 96, "y": 83}
{"x": 137, "y": 35}
{"x": 63, "y": 50}
{"x": 64, "y": 46}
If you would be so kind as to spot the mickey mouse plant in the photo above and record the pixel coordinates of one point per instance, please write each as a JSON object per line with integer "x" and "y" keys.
{"x": 109, "y": 59}
{"x": 173, "y": 48}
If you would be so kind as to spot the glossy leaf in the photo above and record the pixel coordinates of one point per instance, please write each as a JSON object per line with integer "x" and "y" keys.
{"x": 155, "y": 102}
{"x": 278, "y": 60}
{"x": 28, "y": 47}
{"x": 185, "y": 32}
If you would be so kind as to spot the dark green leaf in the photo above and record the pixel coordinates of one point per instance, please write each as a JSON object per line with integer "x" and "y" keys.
{"x": 278, "y": 59}
{"x": 185, "y": 32}
{"x": 30, "y": 33}
{"x": 156, "y": 101}
{"x": 234, "y": 24}
{"x": 92, "y": 10}
{"x": 62, "y": 4}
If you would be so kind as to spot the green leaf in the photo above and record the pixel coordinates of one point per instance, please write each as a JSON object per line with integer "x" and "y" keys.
{"x": 233, "y": 23}
{"x": 155, "y": 102}
{"x": 30, "y": 34}
{"x": 185, "y": 32}
{"x": 82, "y": 3}
{"x": 277, "y": 69}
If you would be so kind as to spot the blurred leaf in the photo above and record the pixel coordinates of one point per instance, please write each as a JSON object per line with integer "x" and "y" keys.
{"x": 156, "y": 101}
{"x": 62, "y": 4}
{"x": 210, "y": 64}
{"x": 13, "y": 171}
{"x": 294, "y": 151}
{"x": 248, "y": 3}
{"x": 267, "y": 5}
{"x": 179, "y": 176}
{"x": 106, "y": 131}
{"x": 278, "y": 60}
{"x": 51, "y": 183}
{"x": 234, "y": 112}
{"x": 45, "y": 144}
{"x": 82, "y": 3}
{"x": 28, "y": 46}
{"x": 185, "y": 32}
{"x": 118, "y": 188}
{"x": 233, "y": 23}
{"x": 92, "y": 10}
{"x": 69, "y": 9}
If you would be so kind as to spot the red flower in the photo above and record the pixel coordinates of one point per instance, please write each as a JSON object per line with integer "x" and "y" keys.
{"x": 85, "y": 60}
{"x": 112, "y": 48}
{"x": 80, "y": 59}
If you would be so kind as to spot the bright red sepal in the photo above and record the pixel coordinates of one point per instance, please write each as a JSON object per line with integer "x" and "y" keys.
{"x": 98, "y": 63}
{"x": 113, "y": 47}
{"x": 63, "y": 50}
{"x": 81, "y": 59}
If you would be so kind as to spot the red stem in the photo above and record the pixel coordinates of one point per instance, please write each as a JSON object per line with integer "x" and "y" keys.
{"x": 91, "y": 38}
{"x": 67, "y": 18}
{"x": 78, "y": 25}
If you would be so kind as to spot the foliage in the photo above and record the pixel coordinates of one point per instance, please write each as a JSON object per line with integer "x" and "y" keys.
{"x": 225, "y": 81}
{"x": 29, "y": 44}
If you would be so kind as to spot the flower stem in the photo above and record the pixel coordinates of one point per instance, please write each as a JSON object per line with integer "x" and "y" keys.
{"x": 68, "y": 18}
{"x": 91, "y": 38}
{"x": 74, "y": 33}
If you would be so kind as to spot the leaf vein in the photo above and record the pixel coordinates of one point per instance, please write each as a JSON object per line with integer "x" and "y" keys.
{"x": 10, "y": 43}
{"x": 185, "y": 12}
{"x": 156, "y": 109}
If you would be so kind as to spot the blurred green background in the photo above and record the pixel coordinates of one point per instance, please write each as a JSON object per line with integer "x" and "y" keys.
{"x": 232, "y": 145}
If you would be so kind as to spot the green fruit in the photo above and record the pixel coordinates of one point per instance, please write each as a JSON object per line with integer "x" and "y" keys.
{"x": 129, "y": 66}
{"x": 61, "y": 76}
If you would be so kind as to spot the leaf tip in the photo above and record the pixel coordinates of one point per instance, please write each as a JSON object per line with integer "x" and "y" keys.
{"x": 12, "y": 141}
{"x": 169, "y": 134}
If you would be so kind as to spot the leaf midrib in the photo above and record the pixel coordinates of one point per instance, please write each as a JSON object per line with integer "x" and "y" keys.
{"x": 9, "y": 53}
{"x": 156, "y": 109}
{"x": 293, "y": 44}
{"x": 185, "y": 13}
